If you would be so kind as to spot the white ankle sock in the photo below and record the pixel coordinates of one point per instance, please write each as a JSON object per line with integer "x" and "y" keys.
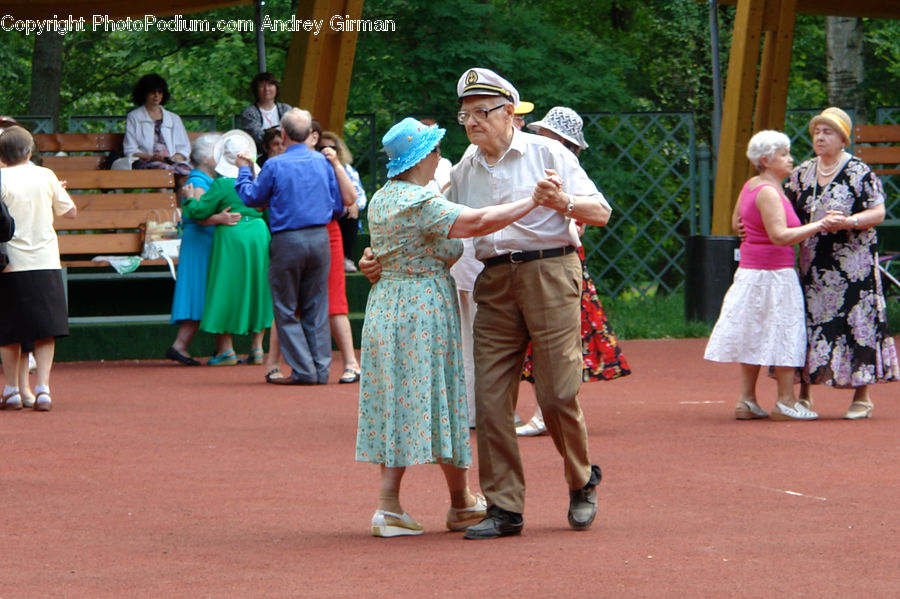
{"x": 42, "y": 389}
{"x": 7, "y": 390}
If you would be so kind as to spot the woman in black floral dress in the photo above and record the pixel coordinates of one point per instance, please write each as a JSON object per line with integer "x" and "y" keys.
{"x": 849, "y": 344}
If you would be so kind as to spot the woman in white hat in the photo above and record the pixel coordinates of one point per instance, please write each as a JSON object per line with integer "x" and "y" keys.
{"x": 238, "y": 300}
{"x": 603, "y": 358}
{"x": 849, "y": 344}
{"x": 412, "y": 400}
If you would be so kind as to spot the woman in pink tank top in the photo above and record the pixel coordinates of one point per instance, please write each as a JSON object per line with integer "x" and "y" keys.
{"x": 762, "y": 322}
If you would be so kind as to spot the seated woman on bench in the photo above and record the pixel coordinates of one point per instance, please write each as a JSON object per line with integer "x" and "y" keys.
{"x": 155, "y": 137}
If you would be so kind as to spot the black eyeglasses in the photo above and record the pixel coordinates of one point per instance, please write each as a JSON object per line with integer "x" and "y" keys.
{"x": 320, "y": 148}
{"x": 479, "y": 114}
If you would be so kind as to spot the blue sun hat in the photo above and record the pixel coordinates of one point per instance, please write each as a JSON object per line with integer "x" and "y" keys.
{"x": 408, "y": 142}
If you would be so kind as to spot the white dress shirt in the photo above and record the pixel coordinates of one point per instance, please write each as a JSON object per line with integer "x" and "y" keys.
{"x": 476, "y": 184}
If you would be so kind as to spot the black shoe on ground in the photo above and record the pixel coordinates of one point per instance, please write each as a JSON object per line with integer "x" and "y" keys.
{"x": 583, "y": 502}
{"x": 174, "y": 354}
{"x": 497, "y": 523}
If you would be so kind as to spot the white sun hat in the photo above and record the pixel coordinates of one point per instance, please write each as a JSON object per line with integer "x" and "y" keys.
{"x": 563, "y": 121}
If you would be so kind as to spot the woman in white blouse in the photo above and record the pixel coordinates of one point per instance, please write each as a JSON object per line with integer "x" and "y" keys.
{"x": 155, "y": 138}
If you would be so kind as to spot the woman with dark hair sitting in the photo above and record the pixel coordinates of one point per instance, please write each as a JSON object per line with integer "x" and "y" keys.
{"x": 155, "y": 137}
{"x": 265, "y": 113}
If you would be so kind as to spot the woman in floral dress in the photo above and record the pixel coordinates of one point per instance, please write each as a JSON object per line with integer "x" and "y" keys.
{"x": 412, "y": 399}
{"x": 849, "y": 344}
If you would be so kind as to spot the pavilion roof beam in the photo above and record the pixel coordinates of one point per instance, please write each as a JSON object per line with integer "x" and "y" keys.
{"x": 318, "y": 68}
{"x": 876, "y": 9}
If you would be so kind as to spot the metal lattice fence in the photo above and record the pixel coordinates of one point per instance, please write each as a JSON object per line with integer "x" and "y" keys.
{"x": 645, "y": 164}
{"x": 36, "y": 124}
{"x": 116, "y": 124}
{"x": 891, "y": 183}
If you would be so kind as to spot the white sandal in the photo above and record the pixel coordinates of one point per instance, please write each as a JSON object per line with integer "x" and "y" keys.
{"x": 13, "y": 401}
{"x": 532, "y": 428}
{"x": 42, "y": 402}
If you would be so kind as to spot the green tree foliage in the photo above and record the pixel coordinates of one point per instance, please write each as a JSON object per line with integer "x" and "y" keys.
{"x": 592, "y": 55}
{"x": 207, "y": 72}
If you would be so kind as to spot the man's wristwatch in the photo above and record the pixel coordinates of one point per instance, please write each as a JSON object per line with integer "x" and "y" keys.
{"x": 855, "y": 220}
{"x": 571, "y": 205}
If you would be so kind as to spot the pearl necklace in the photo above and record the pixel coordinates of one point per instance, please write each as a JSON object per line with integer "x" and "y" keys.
{"x": 823, "y": 171}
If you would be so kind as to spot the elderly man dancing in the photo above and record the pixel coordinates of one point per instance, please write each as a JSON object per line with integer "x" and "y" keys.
{"x": 530, "y": 289}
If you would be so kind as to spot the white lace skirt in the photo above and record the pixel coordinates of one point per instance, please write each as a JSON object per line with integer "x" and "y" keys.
{"x": 762, "y": 320}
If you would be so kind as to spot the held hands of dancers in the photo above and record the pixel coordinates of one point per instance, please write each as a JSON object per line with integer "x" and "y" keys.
{"x": 548, "y": 192}
{"x": 834, "y": 220}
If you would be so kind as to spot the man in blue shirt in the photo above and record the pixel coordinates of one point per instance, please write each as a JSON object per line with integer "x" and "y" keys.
{"x": 301, "y": 192}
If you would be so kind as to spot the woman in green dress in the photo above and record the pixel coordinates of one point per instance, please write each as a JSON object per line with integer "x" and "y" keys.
{"x": 238, "y": 300}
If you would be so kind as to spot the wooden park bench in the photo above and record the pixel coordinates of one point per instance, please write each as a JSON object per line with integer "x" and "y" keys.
{"x": 112, "y": 206}
{"x": 879, "y": 147}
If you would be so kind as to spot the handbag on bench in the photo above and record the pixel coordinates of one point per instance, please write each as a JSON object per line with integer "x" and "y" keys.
{"x": 161, "y": 236}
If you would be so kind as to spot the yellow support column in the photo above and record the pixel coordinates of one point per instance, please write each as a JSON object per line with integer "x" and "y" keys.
{"x": 737, "y": 111}
{"x": 771, "y": 99}
{"x": 318, "y": 67}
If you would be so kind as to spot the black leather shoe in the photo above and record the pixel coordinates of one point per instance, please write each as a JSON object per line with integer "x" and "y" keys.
{"x": 497, "y": 523}
{"x": 583, "y": 502}
{"x": 174, "y": 354}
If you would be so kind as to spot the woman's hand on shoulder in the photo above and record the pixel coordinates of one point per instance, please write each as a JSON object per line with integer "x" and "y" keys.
{"x": 225, "y": 217}
{"x": 190, "y": 192}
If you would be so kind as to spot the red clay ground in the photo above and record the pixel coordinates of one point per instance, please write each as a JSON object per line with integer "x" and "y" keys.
{"x": 155, "y": 480}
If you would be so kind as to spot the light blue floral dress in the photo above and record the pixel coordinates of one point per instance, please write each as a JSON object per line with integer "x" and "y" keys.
{"x": 412, "y": 395}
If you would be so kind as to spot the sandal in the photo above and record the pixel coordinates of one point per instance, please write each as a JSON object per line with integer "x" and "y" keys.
{"x": 349, "y": 376}
{"x": 532, "y": 428}
{"x": 274, "y": 375}
{"x": 228, "y": 358}
{"x": 255, "y": 356}
{"x": 42, "y": 402}
{"x": 13, "y": 401}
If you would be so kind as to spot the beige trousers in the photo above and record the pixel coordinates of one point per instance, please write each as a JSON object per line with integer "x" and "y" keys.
{"x": 538, "y": 301}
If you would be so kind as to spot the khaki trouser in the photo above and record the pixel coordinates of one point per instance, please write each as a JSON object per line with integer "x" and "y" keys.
{"x": 538, "y": 301}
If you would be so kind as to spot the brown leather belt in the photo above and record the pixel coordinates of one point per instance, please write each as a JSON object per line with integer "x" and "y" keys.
{"x": 528, "y": 256}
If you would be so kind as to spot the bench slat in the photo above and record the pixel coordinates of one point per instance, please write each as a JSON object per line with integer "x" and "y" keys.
{"x": 91, "y": 220}
{"x": 73, "y": 163}
{"x": 876, "y": 133}
{"x": 100, "y": 244}
{"x": 117, "y": 179}
{"x": 122, "y": 201}
{"x": 879, "y": 154}
{"x": 79, "y": 142}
